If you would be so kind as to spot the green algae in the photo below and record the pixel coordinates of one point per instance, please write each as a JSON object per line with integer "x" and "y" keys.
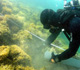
{"x": 17, "y": 20}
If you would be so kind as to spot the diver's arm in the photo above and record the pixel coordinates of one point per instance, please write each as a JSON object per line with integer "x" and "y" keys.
{"x": 71, "y": 51}
{"x": 67, "y": 35}
{"x": 52, "y": 37}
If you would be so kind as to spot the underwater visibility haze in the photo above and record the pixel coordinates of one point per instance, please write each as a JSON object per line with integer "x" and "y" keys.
{"x": 20, "y": 34}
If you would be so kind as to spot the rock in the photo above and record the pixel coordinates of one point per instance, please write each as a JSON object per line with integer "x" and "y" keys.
{"x": 19, "y": 57}
{"x": 4, "y": 51}
{"x": 13, "y": 57}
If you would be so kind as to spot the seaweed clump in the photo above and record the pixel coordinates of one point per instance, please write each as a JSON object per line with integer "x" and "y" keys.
{"x": 5, "y": 34}
{"x": 6, "y": 7}
{"x": 10, "y": 67}
{"x": 13, "y": 23}
{"x": 14, "y": 58}
{"x": 6, "y": 10}
{"x": 22, "y": 37}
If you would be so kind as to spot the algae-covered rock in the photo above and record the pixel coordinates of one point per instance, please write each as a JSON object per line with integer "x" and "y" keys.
{"x": 4, "y": 27}
{"x": 5, "y": 35}
{"x": 4, "y": 52}
{"x": 22, "y": 35}
{"x": 11, "y": 67}
{"x": 6, "y": 67}
{"x": 15, "y": 55}
{"x": 24, "y": 68}
{"x": 6, "y": 10}
{"x": 19, "y": 57}
{"x": 14, "y": 23}
{"x": 14, "y": 58}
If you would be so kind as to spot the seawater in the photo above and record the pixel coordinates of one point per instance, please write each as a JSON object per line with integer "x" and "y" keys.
{"x": 36, "y": 50}
{"x": 48, "y": 4}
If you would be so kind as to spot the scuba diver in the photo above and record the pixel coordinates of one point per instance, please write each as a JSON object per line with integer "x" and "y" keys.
{"x": 67, "y": 19}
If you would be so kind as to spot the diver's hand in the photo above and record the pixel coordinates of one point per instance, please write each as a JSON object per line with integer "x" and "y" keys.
{"x": 54, "y": 58}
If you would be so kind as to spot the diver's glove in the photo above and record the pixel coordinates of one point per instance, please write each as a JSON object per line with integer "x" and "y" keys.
{"x": 54, "y": 58}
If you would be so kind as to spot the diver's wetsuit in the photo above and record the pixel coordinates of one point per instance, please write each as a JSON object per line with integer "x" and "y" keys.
{"x": 73, "y": 28}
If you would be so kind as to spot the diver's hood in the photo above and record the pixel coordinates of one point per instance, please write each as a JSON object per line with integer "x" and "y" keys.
{"x": 55, "y": 20}
{"x": 47, "y": 18}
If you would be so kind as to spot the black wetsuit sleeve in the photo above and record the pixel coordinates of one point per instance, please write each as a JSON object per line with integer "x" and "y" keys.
{"x": 71, "y": 51}
{"x": 52, "y": 37}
